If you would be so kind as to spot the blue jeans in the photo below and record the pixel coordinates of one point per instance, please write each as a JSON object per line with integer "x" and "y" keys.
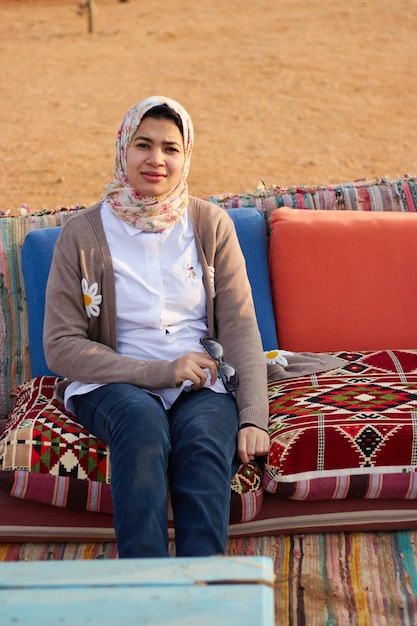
{"x": 192, "y": 445}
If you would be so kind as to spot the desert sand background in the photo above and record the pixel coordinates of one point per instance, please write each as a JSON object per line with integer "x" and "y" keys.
{"x": 306, "y": 92}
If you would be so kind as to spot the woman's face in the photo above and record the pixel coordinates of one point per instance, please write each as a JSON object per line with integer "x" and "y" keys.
{"x": 155, "y": 157}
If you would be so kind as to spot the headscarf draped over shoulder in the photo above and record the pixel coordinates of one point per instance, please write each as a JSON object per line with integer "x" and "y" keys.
{"x": 151, "y": 214}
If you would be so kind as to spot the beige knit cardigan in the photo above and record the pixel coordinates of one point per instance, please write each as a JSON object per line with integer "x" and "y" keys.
{"x": 78, "y": 347}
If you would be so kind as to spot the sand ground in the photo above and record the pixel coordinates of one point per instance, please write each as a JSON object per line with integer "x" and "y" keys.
{"x": 285, "y": 91}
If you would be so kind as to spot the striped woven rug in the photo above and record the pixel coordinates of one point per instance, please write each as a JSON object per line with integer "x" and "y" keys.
{"x": 335, "y": 579}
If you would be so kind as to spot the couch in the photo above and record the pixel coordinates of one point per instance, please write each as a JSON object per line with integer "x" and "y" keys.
{"x": 331, "y": 270}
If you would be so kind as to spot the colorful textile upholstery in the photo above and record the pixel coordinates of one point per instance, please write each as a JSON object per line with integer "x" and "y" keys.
{"x": 46, "y": 456}
{"x": 339, "y": 279}
{"x": 381, "y": 194}
{"x": 349, "y": 433}
{"x": 14, "y": 356}
{"x": 337, "y": 437}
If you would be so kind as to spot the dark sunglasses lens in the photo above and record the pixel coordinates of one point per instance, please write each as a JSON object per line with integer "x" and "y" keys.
{"x": 229, "y": 376}
{"x": 213, "y": 347}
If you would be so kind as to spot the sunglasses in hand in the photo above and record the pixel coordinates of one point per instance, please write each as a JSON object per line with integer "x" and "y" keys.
{"x": 226, "y": 371}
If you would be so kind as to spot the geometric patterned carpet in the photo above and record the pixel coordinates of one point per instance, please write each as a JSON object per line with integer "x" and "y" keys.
{"x": 323, "y": 579}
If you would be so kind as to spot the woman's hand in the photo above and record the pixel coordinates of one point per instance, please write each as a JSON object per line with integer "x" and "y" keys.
{"x": 193, "y": 366}
{"x": 252, "y": 442}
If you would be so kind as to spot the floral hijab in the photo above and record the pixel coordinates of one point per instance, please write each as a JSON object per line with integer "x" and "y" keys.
{"x": 151, "y": 214}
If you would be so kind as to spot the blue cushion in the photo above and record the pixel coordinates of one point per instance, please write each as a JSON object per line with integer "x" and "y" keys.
{"x": 37, "y": 251}
{"x": 250, "y": 228}
{"x": 38, "y": 248}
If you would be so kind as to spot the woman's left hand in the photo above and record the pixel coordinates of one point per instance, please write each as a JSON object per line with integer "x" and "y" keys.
{"x": 252, "y": 442}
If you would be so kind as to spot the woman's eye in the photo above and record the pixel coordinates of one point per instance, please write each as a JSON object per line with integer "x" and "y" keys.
{"x": 141, "y": 145}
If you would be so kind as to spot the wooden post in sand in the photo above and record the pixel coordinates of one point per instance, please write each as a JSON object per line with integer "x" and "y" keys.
{"x": 90, "y": 11}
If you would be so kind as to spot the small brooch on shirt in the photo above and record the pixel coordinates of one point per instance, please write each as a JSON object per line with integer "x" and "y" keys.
{"x": 91, "y": 298}
{"x": 191, "y": 271}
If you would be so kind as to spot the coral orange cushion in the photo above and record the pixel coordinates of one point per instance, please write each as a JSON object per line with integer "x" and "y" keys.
{"x": 344, "y": 280}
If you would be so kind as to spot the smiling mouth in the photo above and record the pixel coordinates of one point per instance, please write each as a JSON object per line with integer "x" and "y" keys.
{"x": 153, "y": 176}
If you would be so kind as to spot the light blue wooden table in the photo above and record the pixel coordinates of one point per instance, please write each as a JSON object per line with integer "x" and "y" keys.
{"x": 215, "y": 591}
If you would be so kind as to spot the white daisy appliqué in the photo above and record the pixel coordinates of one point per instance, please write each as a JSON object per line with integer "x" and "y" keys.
{"x": 277, "y": 357}
{"x": 92, "y": 300}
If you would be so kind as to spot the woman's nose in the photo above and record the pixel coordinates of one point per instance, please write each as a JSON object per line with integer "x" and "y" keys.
{"x": 155, "y": 157}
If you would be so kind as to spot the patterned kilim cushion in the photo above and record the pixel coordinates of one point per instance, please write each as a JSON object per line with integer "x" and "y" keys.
{"x": 350, "y": 433}
{"x": 46, "y": 456}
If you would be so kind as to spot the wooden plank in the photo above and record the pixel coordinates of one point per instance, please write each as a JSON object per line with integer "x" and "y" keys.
{"x": 136, "y": 571}
{"x": 231, "y": 605}
{"x": 215, "y": 590}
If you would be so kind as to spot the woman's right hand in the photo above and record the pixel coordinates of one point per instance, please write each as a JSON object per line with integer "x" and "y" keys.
{"x": 193, "y": 367}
